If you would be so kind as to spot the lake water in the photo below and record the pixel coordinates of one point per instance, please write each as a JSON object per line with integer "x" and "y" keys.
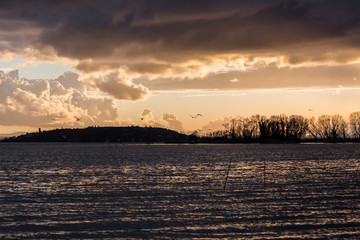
{"x": 105, "y": 191}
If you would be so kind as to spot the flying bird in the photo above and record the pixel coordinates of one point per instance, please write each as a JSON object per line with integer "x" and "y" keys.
{"x": 141, "y": 118}
{"x": 77, "y": 119}
{"x": 196, "y": 116}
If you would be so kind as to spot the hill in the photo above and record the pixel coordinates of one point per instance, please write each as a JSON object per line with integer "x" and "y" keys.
{"x": 103, "y": 134}
{"x": 8, "y": 135}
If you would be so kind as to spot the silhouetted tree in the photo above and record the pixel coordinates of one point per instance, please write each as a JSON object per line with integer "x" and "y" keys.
{"x": 354, "y": 122}
{"x": 328, "y": 127}
{"x": 296, "y": 127}
{"x": 249, "y": 128}
{"x": 232, "y": 128}
{"x": 277, "y": 125}
{"x": 227, "y": 129}
{"x": 194, "y": 136}
{"x": 264, "y": 128}
{"x": 218, "y": 134}
{"x": 324, "y": 124}
{"x": 313, "y": 129}
{"x": 338, "y": 126}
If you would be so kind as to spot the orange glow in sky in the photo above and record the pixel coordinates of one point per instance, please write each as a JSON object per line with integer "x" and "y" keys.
{"x": 142, "y": 63}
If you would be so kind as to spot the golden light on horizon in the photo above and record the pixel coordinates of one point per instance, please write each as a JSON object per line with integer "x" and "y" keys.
{"x": 229, "y": 59}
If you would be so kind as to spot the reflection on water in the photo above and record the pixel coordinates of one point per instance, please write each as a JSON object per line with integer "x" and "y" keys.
{"x": 176, "y": 191}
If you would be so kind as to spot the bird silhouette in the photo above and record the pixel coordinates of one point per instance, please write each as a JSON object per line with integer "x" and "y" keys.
{"x": 77, "y": 119}
{"x": 141, "y": 118}
{"x": 196, "y": 116}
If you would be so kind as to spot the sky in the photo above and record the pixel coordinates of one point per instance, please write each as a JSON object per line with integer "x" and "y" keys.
{"x": 155, "y": 63}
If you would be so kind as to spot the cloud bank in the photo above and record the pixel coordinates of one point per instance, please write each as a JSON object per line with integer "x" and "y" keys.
{"x": 126, "y": 49}
{"x": 168, "y": 120}
{"x": 52, "y": 103}
{"x": 182, "y": 39}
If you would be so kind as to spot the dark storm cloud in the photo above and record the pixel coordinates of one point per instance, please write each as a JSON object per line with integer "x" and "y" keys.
{"x": 90, "y": 29}
{"x": 156, "y": 37}
{"x": 167, "y": 27}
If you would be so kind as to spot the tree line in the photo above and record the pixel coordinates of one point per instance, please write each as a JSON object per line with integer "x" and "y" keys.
{"x": 278, "y": 128}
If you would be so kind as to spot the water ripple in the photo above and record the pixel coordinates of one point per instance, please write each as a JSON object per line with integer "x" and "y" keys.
{"x": 92, "y": 191}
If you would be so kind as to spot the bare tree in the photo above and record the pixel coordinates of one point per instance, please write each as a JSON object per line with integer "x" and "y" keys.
{"x": 313, "y": 128}
{"x": 264, "y": 128}
{"x": 227, "y": 129}
{"x": 327, "y": 127}
{"x": 283, "y": 127}
{"x": 338, "y": 126}
{"x": 354, "y": 122}
{"x": 247, "y": 128}
{"x": 233, "y": 126}
{"x": 324, "y": 125}
{"x": 277, "y": 125}
{"x": 250, "y": 127}
{"x": 296, "y": 127}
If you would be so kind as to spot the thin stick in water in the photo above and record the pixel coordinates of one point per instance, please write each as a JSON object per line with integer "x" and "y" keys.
{"x": 227, "y": 173}
{"x": 264, "y": 171}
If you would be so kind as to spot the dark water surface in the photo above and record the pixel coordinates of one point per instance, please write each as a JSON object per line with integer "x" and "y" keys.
{"x": 104, "y": 191}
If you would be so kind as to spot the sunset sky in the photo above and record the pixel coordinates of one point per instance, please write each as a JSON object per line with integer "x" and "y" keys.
{"x": 111, "y": 63}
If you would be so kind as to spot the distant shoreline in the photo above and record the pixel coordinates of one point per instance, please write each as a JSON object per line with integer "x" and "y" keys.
{"x": 146, "y": 135}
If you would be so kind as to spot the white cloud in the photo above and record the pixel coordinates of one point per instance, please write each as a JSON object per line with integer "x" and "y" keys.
{"x": 168, "y": 120}
{"x": 52, "y": 103}
{"x": 217, "y": 124}
{"x": 172, "y": 122}
{"x": 148, "y": 117}
{"x": 146, "y": 112}
{"x": 117, "y": 85}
